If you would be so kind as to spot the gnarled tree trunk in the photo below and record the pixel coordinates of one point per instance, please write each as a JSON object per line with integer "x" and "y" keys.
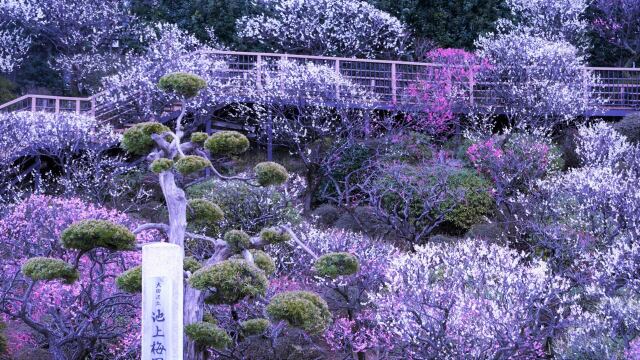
{"x": 193, "y": 299}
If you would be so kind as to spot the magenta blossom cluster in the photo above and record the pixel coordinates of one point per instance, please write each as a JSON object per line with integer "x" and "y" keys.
{"x": 442, "y": 88}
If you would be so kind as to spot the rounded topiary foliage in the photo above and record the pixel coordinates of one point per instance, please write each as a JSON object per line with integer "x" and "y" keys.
{"x": 90, "y": 234}
{"x": 255, "y": 326}
{"x": 43, "y": 268}
{"x": 183, "y": 84}
{"x": 208, "y": 335}
{"x": 262, "y": 260}
{"x": 131, "y": 280}
{"x": 270, "y": 173}
{"x": 274, "y": 236}
{"x": 227, "y": 143}
{"x": 161, "y": 165}
{"x": 238, "y": 240}
{"x": 336, "y": 264}
{"x": 202, "y": 212}
{"x": 137, "y": 139}
{"x": 477, "y": 202}
{"x": 191, "y": 264}
{"x": 230, "y": 281}
{"x": 629, "y": 126}
{"x": 301, "y": 309}
{"x": 199, "y": 137}
{"x": 191, "y": 163}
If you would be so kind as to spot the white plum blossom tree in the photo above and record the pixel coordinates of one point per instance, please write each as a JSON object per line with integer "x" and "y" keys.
{"x": 170, "y": 50}
{"x": 554, "y": 20}
{"x": 537, "y": 57}
{"x": 543, "y": 81}
{"x": 68, "y": 153}
{"x": 470, "y": 300}
{"x": 326, "y": 27}
{"x": 588, "y": 208}
{"x": 301, "y": 105}
{"x": 76, "y": 33}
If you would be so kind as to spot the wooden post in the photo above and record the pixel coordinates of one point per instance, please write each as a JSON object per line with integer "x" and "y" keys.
{"x": 394, "y": 84}
{"x": 585, "y": 87}
{"x": 57, "y": 108}
{"x": 472, "y": 85}
{"x": 259, "y": 72}
{"x": 337, "y": 68}
{"x": 33, "y": 104}
{"x": 269, "y": 135}
{"x": 77, "y": 106}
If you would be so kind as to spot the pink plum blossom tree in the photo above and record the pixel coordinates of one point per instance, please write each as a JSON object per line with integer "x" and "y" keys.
{"x": 89, "y": 317}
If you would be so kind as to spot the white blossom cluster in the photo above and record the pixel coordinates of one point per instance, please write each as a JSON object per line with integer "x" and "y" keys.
{"x": 607, "y": 321}
{"x": 316, "y": 85}
{"x": 544, "y": 81}
{"x": 14, "y": 45}
{"x": 22, "y": 133}
{"x": 469, "y": 300}
{"x": 558, "y": 20}
{"x": 326, "y": 102}
{"x": 596, "y": 203}
{"x": 350, "y": 28}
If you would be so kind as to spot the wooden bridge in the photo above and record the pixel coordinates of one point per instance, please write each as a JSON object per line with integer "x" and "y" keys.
{"x": 618, "y": 87}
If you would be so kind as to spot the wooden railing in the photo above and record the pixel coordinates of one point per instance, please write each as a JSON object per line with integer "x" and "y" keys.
{"x": 618, "y": 87}
{"x": 48, "y": 103}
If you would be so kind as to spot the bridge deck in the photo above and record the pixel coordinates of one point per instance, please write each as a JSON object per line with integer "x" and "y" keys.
{"x": 619, "y": 87}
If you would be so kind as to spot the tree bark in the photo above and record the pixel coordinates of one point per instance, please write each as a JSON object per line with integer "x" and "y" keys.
{"x": 193, "y": 312}
{"x": 193, "y": 299}
{"x": 177, "y": 206}
{"x": 55, "y": 350}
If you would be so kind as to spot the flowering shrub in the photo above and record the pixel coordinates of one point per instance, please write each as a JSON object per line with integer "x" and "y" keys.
{"x": 585, "y": 209}
{"x": 76, "y": 148}
{"x": 48, "y": 134}
{"x": 470, "y": 300}
{"x": 604, "y": 324}
{"x": 514, "y": 161}
{"x": 33, "y": 228}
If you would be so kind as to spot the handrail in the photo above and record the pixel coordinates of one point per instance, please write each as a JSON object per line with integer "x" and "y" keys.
{"x": 314, "y": 57}
{"x": 57, "y": 108}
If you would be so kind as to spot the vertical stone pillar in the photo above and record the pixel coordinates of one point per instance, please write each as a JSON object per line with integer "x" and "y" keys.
{"x": 162, "y": 302}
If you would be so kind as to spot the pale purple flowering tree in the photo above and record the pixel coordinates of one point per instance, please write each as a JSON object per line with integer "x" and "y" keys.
{"x": 471, "y": 299}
